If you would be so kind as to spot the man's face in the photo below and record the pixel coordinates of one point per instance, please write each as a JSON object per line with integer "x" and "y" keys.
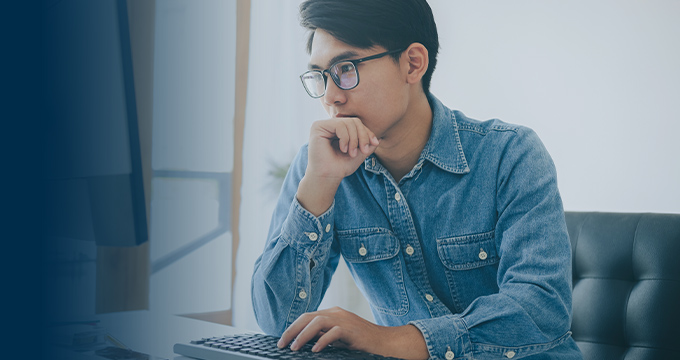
{"x": 381, "y": 98}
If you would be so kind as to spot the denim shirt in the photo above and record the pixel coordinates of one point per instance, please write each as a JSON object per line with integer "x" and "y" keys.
{"x": 470, "y": 246}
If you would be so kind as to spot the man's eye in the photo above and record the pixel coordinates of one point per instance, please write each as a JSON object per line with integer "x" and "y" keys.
{"x": 345, "y": 68}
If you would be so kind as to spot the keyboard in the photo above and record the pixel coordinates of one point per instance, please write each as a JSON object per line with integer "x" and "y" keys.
{"x": 260, "y": 346}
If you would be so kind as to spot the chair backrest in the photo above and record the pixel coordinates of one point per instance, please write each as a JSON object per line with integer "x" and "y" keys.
{"x": 626, "y": 284}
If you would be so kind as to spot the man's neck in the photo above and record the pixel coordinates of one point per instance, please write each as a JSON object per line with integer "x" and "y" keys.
{"x": 402, "y": 145}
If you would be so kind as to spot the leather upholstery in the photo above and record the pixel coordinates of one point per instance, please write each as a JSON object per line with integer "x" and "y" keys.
{"x": 626, "y": 284}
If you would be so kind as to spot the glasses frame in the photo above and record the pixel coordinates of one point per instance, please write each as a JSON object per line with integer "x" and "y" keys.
{"x": 354, "y": 62}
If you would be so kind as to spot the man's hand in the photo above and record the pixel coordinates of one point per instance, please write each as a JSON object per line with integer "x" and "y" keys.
{"x": 337, "y": 147}
{"x": 344, "y": 329}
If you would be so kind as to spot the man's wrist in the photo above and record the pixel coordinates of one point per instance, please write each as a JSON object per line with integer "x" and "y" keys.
{"x": 406, "y": 342}
{"x": 316, "y": 195}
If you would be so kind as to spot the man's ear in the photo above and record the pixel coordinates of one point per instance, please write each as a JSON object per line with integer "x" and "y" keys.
{"x": 417, "y": 61}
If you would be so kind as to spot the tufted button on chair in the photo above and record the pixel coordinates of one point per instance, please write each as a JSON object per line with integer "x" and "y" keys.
{"x": 626, "y": 285}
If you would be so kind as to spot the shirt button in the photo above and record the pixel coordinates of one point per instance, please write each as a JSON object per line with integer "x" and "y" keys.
{"x": 409, "y": 250}
{"x": 482, "y": 254}
{"x": 510, "y": 354}
{"x": 362, "y": 250}
{"x": 449, "y": 355}
{"x": 302, "y": 294}
{"x": 397, "y": 196}
{"x": 328, "y": 228}
{"x": 429, "y": 298}
{"x": 313, "y": 236}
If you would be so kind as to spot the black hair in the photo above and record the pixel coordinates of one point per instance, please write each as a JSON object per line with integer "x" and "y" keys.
{"x": 392, "y": 24}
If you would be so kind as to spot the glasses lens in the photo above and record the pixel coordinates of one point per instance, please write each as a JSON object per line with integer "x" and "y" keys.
{"x": 314, "y": 83}
{"x": 344, "y": 75}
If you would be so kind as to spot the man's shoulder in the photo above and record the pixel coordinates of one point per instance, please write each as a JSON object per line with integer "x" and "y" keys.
{"x": 484, "y": 127}
{"x": 463, "y": 123}
{"x": 493, "y": 134}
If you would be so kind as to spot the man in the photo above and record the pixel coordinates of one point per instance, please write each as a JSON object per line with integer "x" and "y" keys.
{"x": 453, "y": 228}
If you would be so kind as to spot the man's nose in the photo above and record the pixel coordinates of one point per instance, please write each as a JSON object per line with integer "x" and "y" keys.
{"x": 334, "y": 95}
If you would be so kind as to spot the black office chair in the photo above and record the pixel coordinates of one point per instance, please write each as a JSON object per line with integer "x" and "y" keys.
{"x": 626, "y": 290}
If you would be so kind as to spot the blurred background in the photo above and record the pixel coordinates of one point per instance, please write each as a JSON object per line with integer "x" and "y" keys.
{"x": 196, "y": 108}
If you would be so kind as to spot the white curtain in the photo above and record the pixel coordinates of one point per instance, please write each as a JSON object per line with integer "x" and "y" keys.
{"x": 278, "y": 116}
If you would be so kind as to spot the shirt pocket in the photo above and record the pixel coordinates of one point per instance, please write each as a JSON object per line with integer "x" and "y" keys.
{"x": 468, "y": 252}
{"x": 371, "y": 256}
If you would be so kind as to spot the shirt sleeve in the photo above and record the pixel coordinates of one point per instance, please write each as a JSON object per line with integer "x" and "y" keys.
{"x": 531, "y": 313}
{"x": 299, "y": 259}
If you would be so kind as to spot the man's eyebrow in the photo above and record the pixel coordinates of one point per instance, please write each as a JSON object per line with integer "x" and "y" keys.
{"x": 342, "y": 56}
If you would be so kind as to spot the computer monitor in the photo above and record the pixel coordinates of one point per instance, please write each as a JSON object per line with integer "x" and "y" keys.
{"x": 94, "y": 187}
{"x": 93, "y": 160}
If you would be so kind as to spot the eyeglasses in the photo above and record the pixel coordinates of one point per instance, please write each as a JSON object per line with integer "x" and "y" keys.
{"x": 344, "y": 74}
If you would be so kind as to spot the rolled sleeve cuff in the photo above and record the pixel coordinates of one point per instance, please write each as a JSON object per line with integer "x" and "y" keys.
{"x": 304, "y": 231}
{"x": 447, "y": 337}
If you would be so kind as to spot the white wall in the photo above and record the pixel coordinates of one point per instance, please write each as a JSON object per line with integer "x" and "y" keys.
{"x": 599, "y": 81}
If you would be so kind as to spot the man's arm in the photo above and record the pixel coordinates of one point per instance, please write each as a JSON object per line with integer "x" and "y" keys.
{"x": 298, "y": 261}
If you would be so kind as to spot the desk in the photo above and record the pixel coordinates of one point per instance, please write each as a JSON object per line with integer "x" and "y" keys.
{"x": 155, "y": 334}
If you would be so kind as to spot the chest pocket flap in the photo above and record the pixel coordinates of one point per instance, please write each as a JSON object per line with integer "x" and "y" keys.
{"x": 367, "y": 245}
{"x": 468, "y": 251}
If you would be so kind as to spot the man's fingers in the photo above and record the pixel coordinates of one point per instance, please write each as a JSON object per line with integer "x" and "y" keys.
{"x": 367, "y": 139}
{"x": 363, "y": 137}
{"x": 343, "y": 135}
{"x": 286, "y": 338}
{"x": 353, "y": 139}
{"x": 294, "y": 329}
{"x": 306, "y": 328}
{"x": 330, "y": 337}
{"x": 350, "y": 135}
{"x": 373, "y": 138}
{"x": 353, "y": 136}
{"x": 313, "y": 329}
{"x": 335, "y": 327}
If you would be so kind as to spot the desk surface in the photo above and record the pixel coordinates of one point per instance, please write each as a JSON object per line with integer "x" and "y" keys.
{"x": 155, "y": 334}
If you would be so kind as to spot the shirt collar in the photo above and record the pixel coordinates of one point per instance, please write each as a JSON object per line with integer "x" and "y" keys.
{"x": 443, "y": 149}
